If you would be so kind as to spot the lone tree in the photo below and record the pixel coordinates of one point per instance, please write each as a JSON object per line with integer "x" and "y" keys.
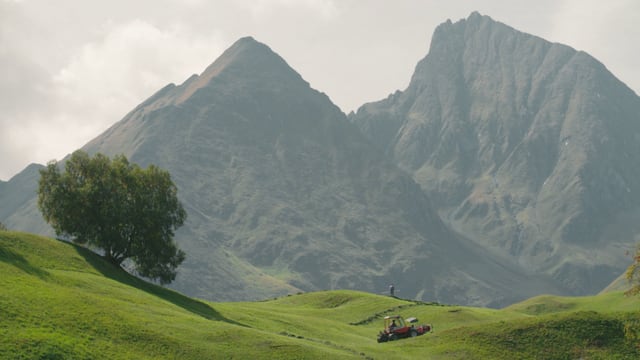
{"x": 128, "y": 212}
{"x": 2, "y": 227}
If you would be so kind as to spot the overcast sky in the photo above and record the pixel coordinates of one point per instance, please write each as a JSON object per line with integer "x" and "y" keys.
{"x": 72, "y": 68}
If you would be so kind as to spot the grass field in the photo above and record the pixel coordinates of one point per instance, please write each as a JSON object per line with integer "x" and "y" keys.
{"x": 60, "y": 301}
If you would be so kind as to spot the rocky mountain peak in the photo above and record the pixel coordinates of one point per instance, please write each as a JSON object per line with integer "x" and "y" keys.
{"x": 519, "y": 142}
{"x": 518, "y": 159}
{"x": 474, "y": 25}
{"x": 272, "y": 172}
{"x": 462, "y": 47}
{"x": 246, "y": 62}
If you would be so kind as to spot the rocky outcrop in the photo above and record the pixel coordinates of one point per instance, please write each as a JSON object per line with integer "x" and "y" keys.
{"x": 525, "y": 146}
{"x": 285, "y": 195}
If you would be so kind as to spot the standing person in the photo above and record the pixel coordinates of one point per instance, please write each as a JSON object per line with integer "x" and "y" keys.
{"x": 392, "y": 290}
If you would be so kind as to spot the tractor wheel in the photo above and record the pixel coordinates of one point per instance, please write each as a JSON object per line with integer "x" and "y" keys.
{"x": 393, "y": 337}
{"x": 414, "y": 333}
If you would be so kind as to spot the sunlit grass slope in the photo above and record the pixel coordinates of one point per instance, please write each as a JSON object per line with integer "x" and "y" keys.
{"x": 59, "y": 301}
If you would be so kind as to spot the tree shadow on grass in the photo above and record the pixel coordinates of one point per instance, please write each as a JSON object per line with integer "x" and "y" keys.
{"x": 110, "y": 271}
{"x": 17, "y": 260}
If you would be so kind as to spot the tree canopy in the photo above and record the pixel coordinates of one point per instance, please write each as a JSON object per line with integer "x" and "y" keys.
{"x": 128, "y": 212}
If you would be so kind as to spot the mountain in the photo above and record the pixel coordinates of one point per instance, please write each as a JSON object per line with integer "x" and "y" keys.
{"x": 506, "y": 169}
{"x": 17, "y": 190}
{"x": 284, "y": 194}
{"x": 527, "y": 147}
{"x": 18, "y": 207}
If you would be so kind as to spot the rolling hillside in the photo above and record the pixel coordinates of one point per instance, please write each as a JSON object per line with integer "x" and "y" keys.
{"x": 60, "y": 301}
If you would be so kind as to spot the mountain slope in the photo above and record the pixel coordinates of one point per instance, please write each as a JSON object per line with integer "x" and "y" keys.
{"x": 284, "y": 194}
{"x": 18, "y": 209}
{"x": 526, "y": 146}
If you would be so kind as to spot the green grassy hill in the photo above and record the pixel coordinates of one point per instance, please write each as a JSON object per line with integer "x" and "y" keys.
{"x": 59, "y": 301}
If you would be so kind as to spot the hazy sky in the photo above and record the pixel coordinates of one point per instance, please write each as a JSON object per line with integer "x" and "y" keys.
{"x": 72, "y": 68}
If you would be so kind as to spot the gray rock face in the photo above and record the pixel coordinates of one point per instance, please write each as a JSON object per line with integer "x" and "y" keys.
{"x": 18, "y": 208}
{"x": 285, "y": 195}
{"x": 508, "y": 168}
{"x": 527, "y": 147}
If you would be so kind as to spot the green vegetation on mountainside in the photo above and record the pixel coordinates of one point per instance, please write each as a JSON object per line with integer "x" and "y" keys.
{"x": 60, "y": 301}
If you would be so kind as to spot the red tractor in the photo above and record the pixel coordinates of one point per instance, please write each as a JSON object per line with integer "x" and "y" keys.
{"x": 396, "y": 328}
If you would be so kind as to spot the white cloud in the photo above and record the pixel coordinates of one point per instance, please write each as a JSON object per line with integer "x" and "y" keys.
{"x": 71, "y": 68}
{"x": 605, "y": 30}
{"x": 326, "y": 9}
{"x": 130, "y": 63}
{"x": 103, "y": 80}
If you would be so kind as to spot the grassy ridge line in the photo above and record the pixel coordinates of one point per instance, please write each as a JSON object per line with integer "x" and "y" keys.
{"x": 62, "y": 301}
{"x": 605, "y": 302}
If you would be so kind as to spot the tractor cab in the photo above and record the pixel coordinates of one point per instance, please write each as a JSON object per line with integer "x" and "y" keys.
{"x": 395, "y": 324}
